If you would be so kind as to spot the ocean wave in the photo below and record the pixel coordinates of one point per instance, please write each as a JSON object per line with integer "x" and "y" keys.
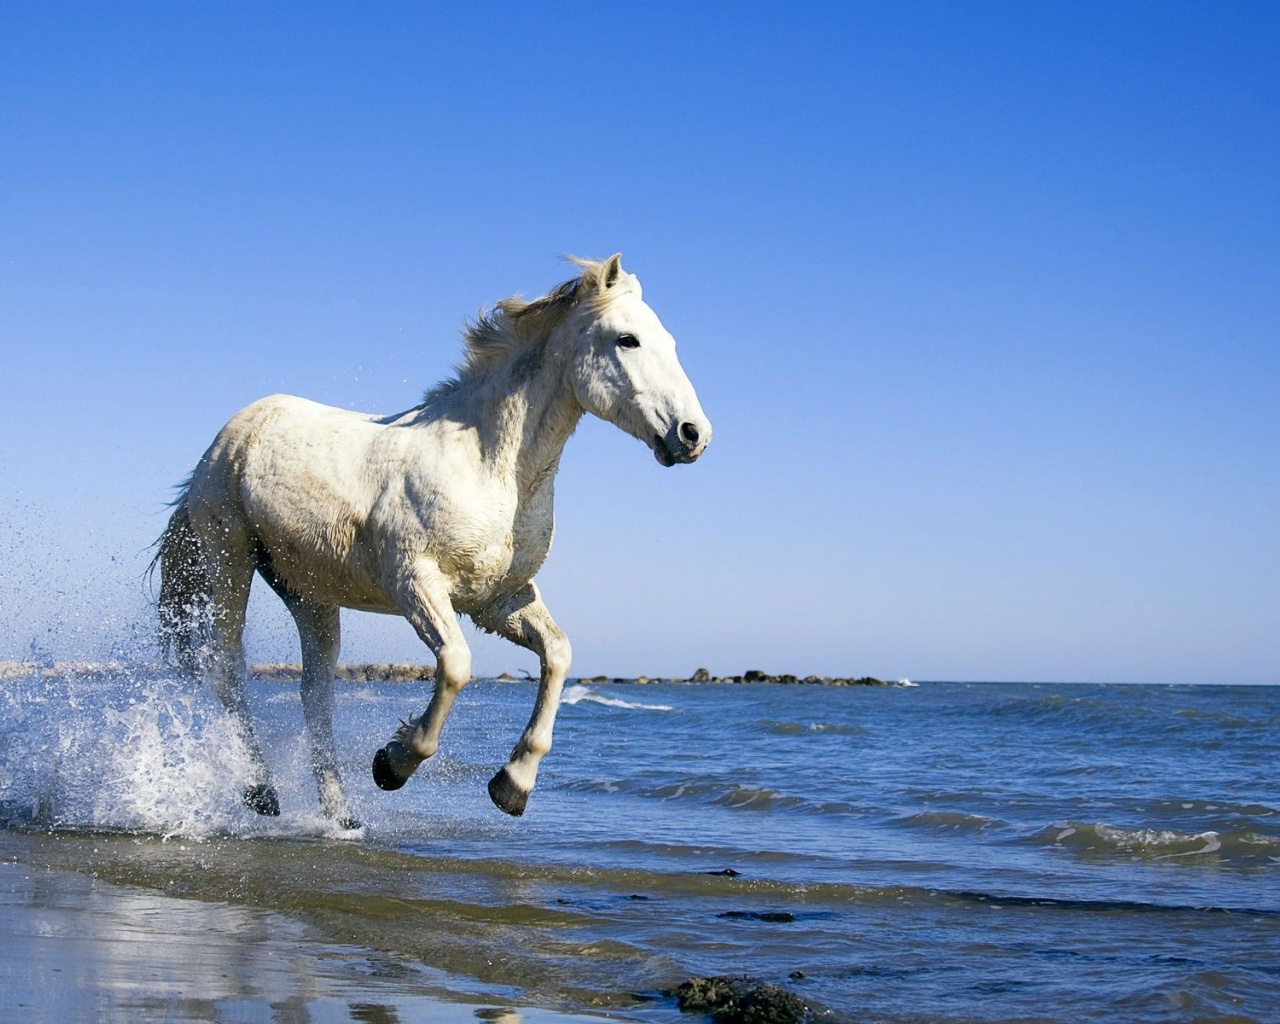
{"x": 811, "y": 728}
{"x": 1088, "y": 708}
{"x": 1219, "y": 809}
{"x": 577, "y": 693}
{"x": 1230, "y": 722}
{"x": 1101, "y": 840}
{"x": 949, "y": 821}
{"x": 1113, "y": 710}
{"x": 747, "y": 798}
{"x": 710, "y": 792}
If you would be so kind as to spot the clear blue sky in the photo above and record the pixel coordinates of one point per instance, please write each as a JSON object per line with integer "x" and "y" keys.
{"x": 982, "y": 299}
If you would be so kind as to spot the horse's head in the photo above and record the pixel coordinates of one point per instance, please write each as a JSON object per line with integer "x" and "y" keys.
{"x": 625, "y": 366}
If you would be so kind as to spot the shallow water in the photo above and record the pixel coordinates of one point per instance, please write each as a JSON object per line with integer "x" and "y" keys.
{"x": 943, "y": 853}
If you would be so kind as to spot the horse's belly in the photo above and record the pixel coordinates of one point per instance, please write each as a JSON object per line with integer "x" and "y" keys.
{"x": 327, "y": 577}
{"x": 356, "y": 597}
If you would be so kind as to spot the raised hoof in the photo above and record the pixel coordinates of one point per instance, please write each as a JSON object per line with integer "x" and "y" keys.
{"x": 508, "y": 797}
{"x": 383, "y": 774}
{"x": 262, "y": 798}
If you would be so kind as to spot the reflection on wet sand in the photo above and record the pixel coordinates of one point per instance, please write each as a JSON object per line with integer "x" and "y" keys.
{"x": 75, "y": 948}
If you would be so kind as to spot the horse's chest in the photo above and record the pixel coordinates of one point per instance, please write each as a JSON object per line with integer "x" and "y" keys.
{"x": 506, "y": 559}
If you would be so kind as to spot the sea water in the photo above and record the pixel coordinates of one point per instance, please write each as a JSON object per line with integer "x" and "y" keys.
{"x": 937, "y": 853}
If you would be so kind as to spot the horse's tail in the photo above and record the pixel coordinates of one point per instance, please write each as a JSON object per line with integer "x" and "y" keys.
{"x": 184, "y": 593}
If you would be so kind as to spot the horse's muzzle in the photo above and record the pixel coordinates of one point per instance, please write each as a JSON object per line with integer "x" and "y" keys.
{"x": 684, "y": 444}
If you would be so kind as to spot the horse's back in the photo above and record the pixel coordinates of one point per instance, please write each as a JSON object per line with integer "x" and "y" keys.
{"x": 283, "y": 446}
{"x": 288, "y": 472}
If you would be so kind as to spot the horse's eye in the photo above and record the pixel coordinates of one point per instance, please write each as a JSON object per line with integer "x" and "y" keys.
{"x": 628, "y": 341}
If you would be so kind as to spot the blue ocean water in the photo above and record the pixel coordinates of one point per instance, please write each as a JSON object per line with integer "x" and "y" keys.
{"x": 945, "y": 852}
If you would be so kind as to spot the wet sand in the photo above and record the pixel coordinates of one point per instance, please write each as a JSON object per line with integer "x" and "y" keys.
{"x": 75, "y": 948}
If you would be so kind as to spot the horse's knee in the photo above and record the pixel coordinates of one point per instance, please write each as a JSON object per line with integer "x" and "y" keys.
{"x": 558, "y": 656}
{"x": 454, "y": 670}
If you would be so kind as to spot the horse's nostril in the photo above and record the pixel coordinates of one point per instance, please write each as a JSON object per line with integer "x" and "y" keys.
{"x": 689, "y": 434}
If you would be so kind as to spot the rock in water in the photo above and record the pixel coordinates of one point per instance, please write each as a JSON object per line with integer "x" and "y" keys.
{"x": 740, "y": 1000}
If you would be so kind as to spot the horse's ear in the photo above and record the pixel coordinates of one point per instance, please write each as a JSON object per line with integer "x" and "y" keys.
{"x": 611, "y": 271}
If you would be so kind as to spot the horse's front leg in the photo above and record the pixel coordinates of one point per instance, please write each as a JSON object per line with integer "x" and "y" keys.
{"x": 424, "y": 599}
{"x": 524, "y": 620}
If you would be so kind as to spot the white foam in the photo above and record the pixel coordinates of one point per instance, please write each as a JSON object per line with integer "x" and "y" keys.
{"x": 577, "y": 693}
{"x": 1212, "y": 844}
{"x": 1150, "y": 842}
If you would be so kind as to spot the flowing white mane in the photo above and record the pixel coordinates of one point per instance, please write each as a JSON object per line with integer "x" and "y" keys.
{"x": 513, "y": 324}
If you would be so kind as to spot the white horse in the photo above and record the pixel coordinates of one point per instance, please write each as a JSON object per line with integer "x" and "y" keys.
{"x": 442, "y": 509}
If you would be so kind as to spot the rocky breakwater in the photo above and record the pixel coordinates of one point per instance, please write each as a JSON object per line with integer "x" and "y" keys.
{"x": 356, "y": 673}
{"x": 702, "y": 675}
{"x": 756, "y": 676}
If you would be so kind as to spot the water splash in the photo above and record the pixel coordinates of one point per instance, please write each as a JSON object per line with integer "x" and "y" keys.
{"x": 123, "y": 750}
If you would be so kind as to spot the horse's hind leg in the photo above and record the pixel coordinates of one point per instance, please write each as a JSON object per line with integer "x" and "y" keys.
{"x": 229, "y": 581}
{"x": 318, "y": 628}
{"x": 525, "y": 620}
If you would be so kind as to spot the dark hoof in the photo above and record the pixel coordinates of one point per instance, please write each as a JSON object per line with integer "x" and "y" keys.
{"x": 507, "y": 795}
{"x": 383, "y": 774}
{"x": 262, "y": 798}
{"x": 350, "y": 824}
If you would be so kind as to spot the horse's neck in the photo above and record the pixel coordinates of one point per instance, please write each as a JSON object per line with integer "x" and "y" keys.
{"x": 525, "y": 418}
